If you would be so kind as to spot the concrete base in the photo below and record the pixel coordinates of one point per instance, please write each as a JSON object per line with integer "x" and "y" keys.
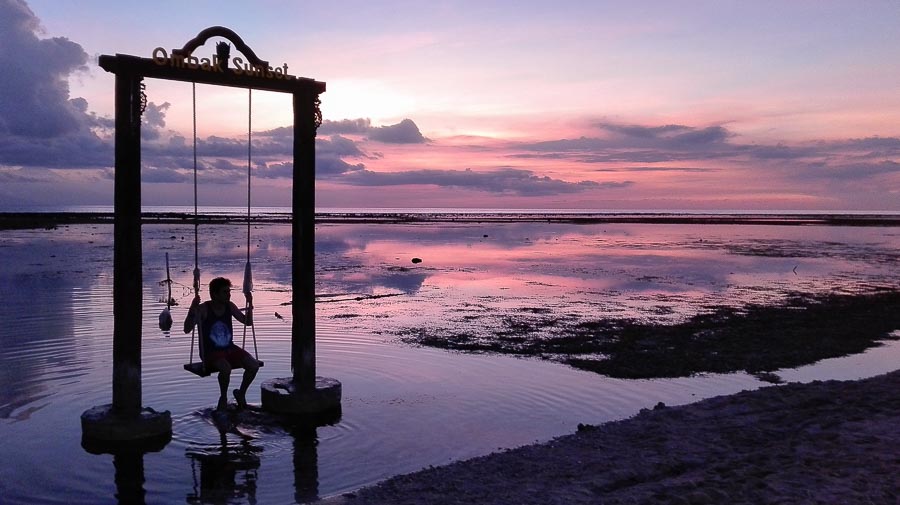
{"x": 283, "y": 396}
{"x": 102, "y": 423}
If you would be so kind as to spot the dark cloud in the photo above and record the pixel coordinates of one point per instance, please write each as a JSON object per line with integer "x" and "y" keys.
{"x": 66, "y": 151}
{"x": 869, "y": 147}
{"x": 222, "y": 146}
{"x": 346, "y": 127}
{"x": 647, "y": 132}
{"x": 34, "y": 96}
{"x": 669, "y": 135}
{"x": 338, "y": 146}
{"x": 669, "y": 141}
{"x": 275, "y": 171}
{"x": 164, "y": 175}
{"x": 39, "y": 124}
{"x": 153, "y": 120}
{"x": 850, "y": 159}
{"x": 270, "y": 151}
{"x": 18, "y": 175}
{"x": 844, "y": 172}
{"x": 867, "y": 170}
{"x": 282, "y": 132}
{"x": 327, "y": 167}
{"x": 658, "y": 169}
{"x": 404, "y": 132}
{"x": 612, "y": 155}
{"x": 330, "y": 166}
{"x": 505, "y": 181}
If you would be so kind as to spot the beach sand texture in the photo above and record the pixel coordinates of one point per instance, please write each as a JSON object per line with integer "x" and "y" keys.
{"x": 822, "y": 442}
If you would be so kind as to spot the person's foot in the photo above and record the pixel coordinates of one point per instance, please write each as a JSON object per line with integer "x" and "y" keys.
{"x": 241, "y": 398}
{"x": 223, "y": 403}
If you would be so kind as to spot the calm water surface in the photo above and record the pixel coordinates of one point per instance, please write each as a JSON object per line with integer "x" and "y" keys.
{"x": 404, "y": 407}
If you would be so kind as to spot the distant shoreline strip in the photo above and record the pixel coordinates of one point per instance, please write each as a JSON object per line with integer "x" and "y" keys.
{"x": 25, "y": 220}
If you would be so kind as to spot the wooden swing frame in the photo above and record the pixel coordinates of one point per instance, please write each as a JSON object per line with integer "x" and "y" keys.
{"x": 130, "y": 102}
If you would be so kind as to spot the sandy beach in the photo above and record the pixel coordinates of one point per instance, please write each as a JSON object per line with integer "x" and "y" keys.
{"x": 822, "y": 442}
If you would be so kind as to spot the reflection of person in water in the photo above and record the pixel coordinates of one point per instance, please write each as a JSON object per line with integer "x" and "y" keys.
{"x": 219, "y": 350}
{"x": 220, "y": 469}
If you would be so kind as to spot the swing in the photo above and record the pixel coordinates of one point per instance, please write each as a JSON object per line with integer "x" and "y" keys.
{"x": 199, "y": 368}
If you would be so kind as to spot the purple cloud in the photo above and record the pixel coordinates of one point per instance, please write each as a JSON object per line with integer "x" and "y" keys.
{"x": 504, "y": 181}
{"x": 34, "y": 96}
{"x": 345, "y": 126}
{"x": 404, "y": 132}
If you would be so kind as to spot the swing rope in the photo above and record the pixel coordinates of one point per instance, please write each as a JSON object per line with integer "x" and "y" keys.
{"x": 248, "y": 273}
{"x": 196, "y": 221}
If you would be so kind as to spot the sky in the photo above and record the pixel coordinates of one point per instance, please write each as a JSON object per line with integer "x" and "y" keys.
{"x": 647, "y": 105}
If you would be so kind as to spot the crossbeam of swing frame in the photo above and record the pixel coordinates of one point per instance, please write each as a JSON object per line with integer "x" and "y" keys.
{"x": 127, "y": 253}
{"x": 145, "y": 67}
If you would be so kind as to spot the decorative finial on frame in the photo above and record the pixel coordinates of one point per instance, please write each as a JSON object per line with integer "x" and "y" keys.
{"x": 223, "y": 51}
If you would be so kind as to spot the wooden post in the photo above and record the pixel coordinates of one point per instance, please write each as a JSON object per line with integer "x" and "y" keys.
{"x": 104, "y": 427}
{"x": 304, "y": 392}
{"x": 127, "y": 261}
{"x": 303, "y": 329}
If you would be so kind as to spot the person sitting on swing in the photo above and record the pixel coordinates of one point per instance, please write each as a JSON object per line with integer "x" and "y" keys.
{"x": 219, "y": 350}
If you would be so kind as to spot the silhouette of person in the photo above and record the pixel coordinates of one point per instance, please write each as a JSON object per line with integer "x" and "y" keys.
{"x": 217, "y": 349}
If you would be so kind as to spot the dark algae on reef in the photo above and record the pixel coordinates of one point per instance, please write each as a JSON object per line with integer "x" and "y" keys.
{"x": 757, "y": 339}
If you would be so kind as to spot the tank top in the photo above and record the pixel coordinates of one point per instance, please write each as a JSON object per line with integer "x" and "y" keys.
{"x": 217, "y": 330}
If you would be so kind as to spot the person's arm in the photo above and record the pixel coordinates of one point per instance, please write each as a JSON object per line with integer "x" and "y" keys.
{"x": 193, "y": 315}
{"x": 246, "y": 319}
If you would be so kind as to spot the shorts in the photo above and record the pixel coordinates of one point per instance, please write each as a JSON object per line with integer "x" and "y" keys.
{"x": 233, "y": 354}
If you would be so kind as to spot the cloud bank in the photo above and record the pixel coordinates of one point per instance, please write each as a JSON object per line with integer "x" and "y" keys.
{"x": 45, "y": 132}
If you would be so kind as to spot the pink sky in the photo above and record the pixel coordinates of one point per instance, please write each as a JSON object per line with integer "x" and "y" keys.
{"x": 590, "y": 105}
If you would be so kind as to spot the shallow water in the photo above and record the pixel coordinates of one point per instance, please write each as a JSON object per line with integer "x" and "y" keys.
{"x": 404, "y": 408}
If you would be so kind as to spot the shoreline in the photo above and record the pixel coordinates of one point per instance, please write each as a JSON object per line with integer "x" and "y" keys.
{"x": 49, "y": 220}
{"x": 820, "y": 442}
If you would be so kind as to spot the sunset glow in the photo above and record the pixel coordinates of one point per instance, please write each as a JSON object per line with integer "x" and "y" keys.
{"x": 590, "y": 105}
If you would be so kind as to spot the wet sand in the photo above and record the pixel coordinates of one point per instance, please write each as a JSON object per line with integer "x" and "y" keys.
{"x": 823, "y": 442}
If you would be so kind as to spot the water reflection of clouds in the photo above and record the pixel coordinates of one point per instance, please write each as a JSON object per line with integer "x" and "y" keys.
{"x": 43, "y": 273}
{"x": 407, "y": 282}
{"x": 531, "y": 259}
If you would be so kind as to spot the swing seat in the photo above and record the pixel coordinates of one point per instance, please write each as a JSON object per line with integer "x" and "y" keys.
{"x": 200, "y": 370}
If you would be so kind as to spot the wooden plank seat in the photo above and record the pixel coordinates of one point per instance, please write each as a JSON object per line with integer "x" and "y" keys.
{"x": 197, "y": 368}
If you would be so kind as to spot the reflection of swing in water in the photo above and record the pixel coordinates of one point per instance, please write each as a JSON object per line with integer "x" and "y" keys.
{"x": 220, "y": 355}
{"x": 219, "y": 467}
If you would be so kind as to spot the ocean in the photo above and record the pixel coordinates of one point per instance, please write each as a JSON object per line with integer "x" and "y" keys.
{"x": 406, "y": 406}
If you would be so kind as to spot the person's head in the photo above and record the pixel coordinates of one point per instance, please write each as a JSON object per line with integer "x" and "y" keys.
{"x": 220, "y": 289}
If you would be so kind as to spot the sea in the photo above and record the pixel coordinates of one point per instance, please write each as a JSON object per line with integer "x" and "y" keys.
{"x": 405, "y": 407}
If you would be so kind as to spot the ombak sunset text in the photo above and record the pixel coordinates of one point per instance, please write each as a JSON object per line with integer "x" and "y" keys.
{"x": 161, "y": 57}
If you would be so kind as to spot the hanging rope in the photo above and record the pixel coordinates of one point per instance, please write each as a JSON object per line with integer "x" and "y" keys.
{"x": 248, "y": 273}
{"x": 249, "y": 158}
{"x": 196, "y": 220}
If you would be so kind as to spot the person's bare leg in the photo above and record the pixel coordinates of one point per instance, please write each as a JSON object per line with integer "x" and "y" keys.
{"x": 251, "y": 367}
{"x": 224, "y": 379}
